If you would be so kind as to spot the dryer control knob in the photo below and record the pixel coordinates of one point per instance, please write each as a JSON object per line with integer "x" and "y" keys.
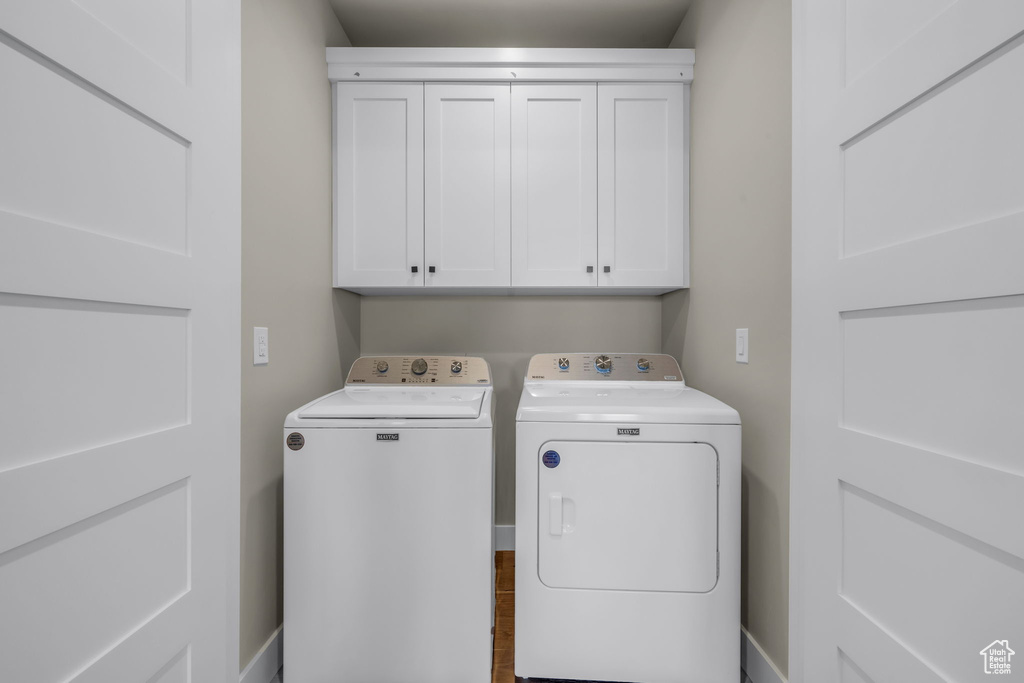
{"x": 603, "y": 364}
{"x": 456, "y": 367}
{"x": 643, "y": 365}
{"x": 419, "y": 366}
{"x": 382, "y": 366}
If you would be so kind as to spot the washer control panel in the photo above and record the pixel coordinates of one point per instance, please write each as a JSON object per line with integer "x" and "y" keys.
{"x": 632, "y": 367}
{"x": 434, "y": 370}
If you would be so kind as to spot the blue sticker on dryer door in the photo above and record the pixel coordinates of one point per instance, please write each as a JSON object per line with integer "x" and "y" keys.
{"x": 551, "y": 459}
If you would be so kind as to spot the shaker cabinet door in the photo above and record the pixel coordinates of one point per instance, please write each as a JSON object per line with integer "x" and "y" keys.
{"x": 378, "y": 190}
{"x": 467, "y": 168}
{"x": 554, "y": 185}
{"x": 643, "y": 185}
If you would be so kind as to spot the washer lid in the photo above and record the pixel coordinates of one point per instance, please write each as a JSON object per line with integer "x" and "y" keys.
{"x": 362, "y": 402}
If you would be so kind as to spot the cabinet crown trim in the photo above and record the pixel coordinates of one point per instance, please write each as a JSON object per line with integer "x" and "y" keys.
{"x": 509, "y": 64}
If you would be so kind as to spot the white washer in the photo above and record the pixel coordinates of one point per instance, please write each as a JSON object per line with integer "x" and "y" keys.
{"x": 627, "y": 523}
{"x": 388, "y": 526}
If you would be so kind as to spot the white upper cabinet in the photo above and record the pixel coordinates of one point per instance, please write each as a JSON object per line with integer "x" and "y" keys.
{"x": 554, "y": 185}
{"x": 378, "y": 189}
{"x": 466, "y": 170}
{"x": 467, "y": 202}
{"x": 643, "y": 185}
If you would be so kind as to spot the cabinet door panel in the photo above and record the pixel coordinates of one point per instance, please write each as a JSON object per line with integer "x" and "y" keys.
{"x": 467, "y": 182}
{"x": 554, "y": 185}
{"x": 643, "y": 185}
{"x": 378, "y": 202}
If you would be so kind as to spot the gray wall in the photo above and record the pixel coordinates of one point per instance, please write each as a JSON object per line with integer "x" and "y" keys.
{"x": 507, "y": 331}
{"x": 286, "y": 272}
{"x": 740, "y": 259}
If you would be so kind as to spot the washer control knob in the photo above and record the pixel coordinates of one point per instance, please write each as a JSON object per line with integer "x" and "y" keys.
{"x": 419, "y": 366}
{"x": 563, "y": 363}
{"x": 603, "y": 364}
{"x": 382, "y": 366}
{"x": 643, "y": 365}
{"x": 456, "y": 367}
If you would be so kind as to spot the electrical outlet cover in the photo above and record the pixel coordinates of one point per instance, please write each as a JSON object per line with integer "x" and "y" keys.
{"x": 260, "y": 346}
{"x": 743, "y": 345}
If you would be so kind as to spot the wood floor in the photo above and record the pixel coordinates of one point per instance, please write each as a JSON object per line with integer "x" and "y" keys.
{"x": 504, "y": 617}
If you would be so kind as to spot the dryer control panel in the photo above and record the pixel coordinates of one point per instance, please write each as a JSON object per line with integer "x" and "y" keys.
{"x": 631, "y": 367}
{"x": 459, "y": 371}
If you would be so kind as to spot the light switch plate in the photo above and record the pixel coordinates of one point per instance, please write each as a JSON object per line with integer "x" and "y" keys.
{"x": 260, "y": 346}
{"x": 743, "y": 345}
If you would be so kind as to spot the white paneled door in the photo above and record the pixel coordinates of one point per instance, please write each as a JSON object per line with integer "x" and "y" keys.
{"x": 119, "y": 314}
{"x": 554, "y": 185}
{"x": 908, "y": 311}
{"x": 467, "y": 185}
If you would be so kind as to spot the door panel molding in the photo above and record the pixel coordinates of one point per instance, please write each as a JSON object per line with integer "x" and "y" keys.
{"x": 939, "y": 53}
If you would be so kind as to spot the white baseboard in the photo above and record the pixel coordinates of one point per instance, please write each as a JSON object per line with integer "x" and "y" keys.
{"x": 756, "y": 665}
{"x": 504, "y": 536}
{"x": 267, "y": 662}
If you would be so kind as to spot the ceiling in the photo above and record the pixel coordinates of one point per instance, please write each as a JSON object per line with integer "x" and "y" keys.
{"x": 510, "y": 23}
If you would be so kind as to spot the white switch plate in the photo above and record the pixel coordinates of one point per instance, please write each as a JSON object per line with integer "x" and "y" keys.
{"x": 260, "y": 346}
{"x": 743, "y": 345}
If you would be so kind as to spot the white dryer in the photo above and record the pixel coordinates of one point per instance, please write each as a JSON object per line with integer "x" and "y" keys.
{"x": 388, "y": 526}
{"x": 627, "y": 524}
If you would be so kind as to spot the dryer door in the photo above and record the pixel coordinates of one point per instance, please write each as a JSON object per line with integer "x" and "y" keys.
{"x": 628, "y": 516}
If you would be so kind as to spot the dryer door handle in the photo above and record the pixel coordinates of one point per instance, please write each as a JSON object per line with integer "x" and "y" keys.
{"x": 555, "y": 514}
